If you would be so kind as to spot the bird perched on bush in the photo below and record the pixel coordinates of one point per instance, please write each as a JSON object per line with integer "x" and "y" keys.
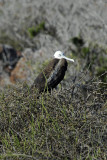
{"x": 52, "y": 74}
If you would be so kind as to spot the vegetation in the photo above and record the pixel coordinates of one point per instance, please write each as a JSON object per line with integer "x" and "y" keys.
{"x": 5, "y": 39}
{"x": 33, "y": 31}
{"x": 93, "y": 57}
{"x": 66, "y": 124}
{"x": 69, "y": 123}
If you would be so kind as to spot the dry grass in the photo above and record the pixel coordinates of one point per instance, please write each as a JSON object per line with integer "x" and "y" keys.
{"x": 68, "y": 124}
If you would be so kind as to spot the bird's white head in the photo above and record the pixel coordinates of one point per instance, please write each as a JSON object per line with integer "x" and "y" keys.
{"x": 60, "y": 55}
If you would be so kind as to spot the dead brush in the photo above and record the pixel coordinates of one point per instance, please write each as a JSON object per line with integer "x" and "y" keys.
{"x": 68, "y": 123}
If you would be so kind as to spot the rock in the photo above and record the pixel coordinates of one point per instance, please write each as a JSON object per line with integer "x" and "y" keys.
{"x": 19, "y": 73}
{"x": 9, "y": 56}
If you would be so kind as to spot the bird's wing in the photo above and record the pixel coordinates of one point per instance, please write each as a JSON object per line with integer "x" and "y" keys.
{"x": 57, "y": 74}
{"x": 40, "y": 82}
{"x": 51, "y": 76}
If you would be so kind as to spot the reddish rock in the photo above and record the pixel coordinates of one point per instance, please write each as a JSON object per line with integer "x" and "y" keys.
{"x": 20, "y": 71}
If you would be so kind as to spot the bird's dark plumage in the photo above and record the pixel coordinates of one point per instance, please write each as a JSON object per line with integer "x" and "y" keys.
{"x": 51, "y": 76}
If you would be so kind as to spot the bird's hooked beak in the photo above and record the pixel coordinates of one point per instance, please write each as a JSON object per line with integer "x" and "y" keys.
{"x": 60, "y": 55}
{"x": 69, "y": 59}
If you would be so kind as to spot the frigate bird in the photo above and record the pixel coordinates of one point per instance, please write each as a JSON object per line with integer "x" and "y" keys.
{"x": 53, "y": 74}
